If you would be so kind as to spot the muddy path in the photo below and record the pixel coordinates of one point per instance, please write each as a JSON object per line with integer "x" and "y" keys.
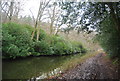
{"x": 97, "y": 67}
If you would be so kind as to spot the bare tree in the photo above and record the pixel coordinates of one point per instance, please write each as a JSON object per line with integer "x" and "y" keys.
{"x": 5, "y": 9}
{"x": 10, "y": 9}
{"x": 57, "y": 30}
{"x": 53, "y": 13}
{"x": 17, "y": 9}
{"x": 42, "y": 7}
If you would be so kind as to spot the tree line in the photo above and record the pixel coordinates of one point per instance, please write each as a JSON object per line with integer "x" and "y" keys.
{"x": 83, "y": 16}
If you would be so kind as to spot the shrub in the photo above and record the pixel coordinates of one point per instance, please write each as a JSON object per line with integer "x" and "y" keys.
{"x": 41, "y": 47}
{"x": 59, "y": 48}
{"x": 16, "y": 40}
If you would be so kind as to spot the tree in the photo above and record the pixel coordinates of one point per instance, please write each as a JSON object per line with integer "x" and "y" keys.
{"x": 90, "y": 15}
{"x": 52, "y": 16}
{"x": 10, "y": 9}
{"x": 102, "y": 17}
{"x": 53, "y": 12}
{"x": 42, "y": 7}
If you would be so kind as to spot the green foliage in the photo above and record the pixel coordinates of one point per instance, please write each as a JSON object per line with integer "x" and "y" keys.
{"x": 77, "y": 46}
{"x": 109, "y": 37}
{"x": 41, "y": 47}
{"x": 17, "y": 43}
{"x": 16, "y": 40}
{"x": 93, "y": 14}
{"x": 42, "y": 35}
{"x": 103, "y": 18}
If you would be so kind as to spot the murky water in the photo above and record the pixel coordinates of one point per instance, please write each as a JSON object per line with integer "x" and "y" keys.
{"x": 30, "y": 67}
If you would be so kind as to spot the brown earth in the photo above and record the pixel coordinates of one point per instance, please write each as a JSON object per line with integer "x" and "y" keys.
{"x": 97, "y": 67}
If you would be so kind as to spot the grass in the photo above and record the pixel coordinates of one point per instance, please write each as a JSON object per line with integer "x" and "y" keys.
{"x": 114, "y": 61}
{"x": 69, "y": 64}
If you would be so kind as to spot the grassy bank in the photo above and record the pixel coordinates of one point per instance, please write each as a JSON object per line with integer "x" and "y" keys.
{"x": 16, "y": 42}
{"x": 72, "y": 63}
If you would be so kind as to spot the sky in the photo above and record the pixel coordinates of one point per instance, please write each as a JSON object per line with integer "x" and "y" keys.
{"x": 32, "y": 5}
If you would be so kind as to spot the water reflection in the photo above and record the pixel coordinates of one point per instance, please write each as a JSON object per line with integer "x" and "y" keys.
{"x": 31, "y": 67}
{"x": 51, "y": 73}
{"x": 38, "y": 67}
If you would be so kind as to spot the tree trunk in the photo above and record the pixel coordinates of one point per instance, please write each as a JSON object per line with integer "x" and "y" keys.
{"x": 51, "y": 28}
{"x": 56, "y": 32}
{"x": 42, "y": 7}
{"x": 11, "y": 10}
{"x": 33, "y": 33}
{"x": 38, "y": 33}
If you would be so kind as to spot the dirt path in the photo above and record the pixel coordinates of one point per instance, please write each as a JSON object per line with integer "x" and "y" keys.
{"x": 96, "y": 67}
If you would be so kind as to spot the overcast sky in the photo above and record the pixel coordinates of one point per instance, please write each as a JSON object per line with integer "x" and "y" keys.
{"x": 33, "y": 5}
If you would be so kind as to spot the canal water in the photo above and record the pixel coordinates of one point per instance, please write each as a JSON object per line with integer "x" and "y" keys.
{"x": 34, "y": 67}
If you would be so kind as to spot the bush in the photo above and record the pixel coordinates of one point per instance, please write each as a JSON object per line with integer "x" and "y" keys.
{"x": 16, "y": 42}
{"x": 42, "y": 35}
{"x": 59, "y": 48}
{"x": 41, "y": 47}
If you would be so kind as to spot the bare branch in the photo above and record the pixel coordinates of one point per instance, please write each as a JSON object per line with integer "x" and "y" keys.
{"x": 32, "y": 16}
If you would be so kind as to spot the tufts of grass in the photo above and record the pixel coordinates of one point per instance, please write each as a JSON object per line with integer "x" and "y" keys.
{"x": 73, "y": 62}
